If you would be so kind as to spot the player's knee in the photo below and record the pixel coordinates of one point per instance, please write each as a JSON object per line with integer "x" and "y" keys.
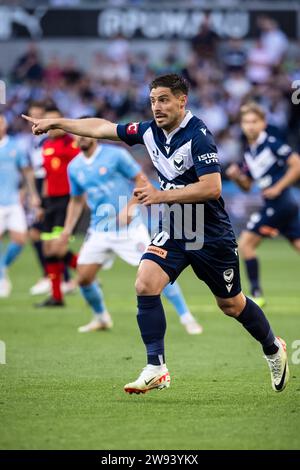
{"x": 84, "y": 278}
{"x": 145, "y": 287}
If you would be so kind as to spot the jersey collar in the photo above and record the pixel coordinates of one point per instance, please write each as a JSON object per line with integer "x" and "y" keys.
{"x": 183, "y": 124}
{"x": 261, "y": 138}
{"x": 90, "y": 160}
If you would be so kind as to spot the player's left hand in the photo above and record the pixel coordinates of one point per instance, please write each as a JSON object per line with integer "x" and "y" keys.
{"x": 272, "y": 193}
{"x": 147, "y": 194}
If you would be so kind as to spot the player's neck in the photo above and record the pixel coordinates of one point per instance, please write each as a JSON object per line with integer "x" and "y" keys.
{"x": 89, "y": 152}
{"x": 176, "y": 124}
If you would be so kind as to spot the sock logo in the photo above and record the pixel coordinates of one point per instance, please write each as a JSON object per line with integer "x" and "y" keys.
{"x": 228, "y": 275}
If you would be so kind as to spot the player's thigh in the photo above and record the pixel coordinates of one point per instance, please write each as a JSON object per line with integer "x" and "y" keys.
{"x": 151, "y": 278}
{"x": 248, "y": 241}
{"x": 86, "y": 273}
{"x": 18, "y": 237}
{"x": 168, "y": 254}
{"x": 296, "y": 244}
{"x": 16, "y": 223}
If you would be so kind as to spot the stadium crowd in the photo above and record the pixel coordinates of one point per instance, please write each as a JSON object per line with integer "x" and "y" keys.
{"x": 222, "y": 75}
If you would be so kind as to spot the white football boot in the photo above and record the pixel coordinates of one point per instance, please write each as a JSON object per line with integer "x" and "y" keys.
{"x": 42, "y": 287}
{"x": 69, "y": 287}
{"x": 99, "y": 322}
{"x": 190, "y": 324}
{"x": 279, "y": 367}
{"x": 150, "y": 378}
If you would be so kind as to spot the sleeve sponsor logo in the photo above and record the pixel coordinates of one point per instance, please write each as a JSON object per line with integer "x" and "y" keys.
{"x": 208, "y": 158}
{"x": 132, "y": 128}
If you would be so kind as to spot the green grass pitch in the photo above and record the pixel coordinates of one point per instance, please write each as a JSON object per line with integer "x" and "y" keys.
{"x": 63, "y": 390}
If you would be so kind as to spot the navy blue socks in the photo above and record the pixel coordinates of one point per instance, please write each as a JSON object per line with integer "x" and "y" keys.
{"x": 252, "y": 267}
{"x": 254, "y": 321}
{"x": 152, "y": 322}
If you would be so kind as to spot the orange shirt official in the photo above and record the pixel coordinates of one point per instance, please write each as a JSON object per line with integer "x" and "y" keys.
{"x": 57, "y": 154}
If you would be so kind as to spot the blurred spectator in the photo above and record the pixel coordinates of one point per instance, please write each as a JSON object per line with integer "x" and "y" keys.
{"x": 204, "y": 44}
{"x": 28, "y": 66}
{"x": 273, "y": 40}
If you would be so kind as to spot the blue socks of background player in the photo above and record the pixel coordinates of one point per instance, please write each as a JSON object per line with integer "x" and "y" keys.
{"x": 94, "y": 297}
{"x": 12, "y": 251}
{"x": 254, "y": 321}
{"x": 152, "y": 322}
{"x": 252, "y": 268}
{"x": 174, "y": 295}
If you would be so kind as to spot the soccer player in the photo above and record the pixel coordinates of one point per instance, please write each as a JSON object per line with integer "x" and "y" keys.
{"x": 34, "y": 147}
{"x": 106, "y": 174}
{"x": 12, "y": 217}
{"x": 184, "y": 154}
{"x": 274, "y": 167}
{"x": 58, "y": 150}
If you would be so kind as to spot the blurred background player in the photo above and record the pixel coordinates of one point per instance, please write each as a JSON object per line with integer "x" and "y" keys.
{"x": 106, "y": 173}
{"x": 58, "y": 150}
{"x": 12, "y": 216}
{"x": 34, "y": 148}
{"x": 274, "y": 167}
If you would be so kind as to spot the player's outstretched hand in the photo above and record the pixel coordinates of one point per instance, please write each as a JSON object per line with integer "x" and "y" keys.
{"x": 147, "y": 194}
{"x": 233, "y": 171}
{"x": 39, "y": 126}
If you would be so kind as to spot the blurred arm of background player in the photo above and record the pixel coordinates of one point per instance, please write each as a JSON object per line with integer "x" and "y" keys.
{"x": 75, "y": 208}
{"x": 126, "y": 215}
{"x": 89, "y": 127}
{"x": 291, "y": 176}
{"x": 235, "y": 174}
{"x": 28, "y": 175}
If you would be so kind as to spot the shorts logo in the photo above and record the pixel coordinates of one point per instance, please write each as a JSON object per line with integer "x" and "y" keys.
{"x": 228, "y": 275}
{"x": 157, "y": 251}
{"x": 132, "y": 128}
{"x": 178, "y": 162}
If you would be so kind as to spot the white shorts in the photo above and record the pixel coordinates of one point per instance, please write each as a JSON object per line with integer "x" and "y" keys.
{"x": 102, "y": 247}
{"x": 12, "y": 218}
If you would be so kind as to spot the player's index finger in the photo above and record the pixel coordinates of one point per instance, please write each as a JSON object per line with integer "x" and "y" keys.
{"x": 28, "y": 118}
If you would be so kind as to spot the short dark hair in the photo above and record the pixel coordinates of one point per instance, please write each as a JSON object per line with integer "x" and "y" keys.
{"x": 36, "y": 104}
{"x": 51, "y": 108}
{"x": 176, "y": 83}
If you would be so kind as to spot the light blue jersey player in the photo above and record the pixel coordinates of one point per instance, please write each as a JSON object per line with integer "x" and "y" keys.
{"x": 274, "y": 167}
{"x": 13, "y": 162}
{"x": 105, "y": 174}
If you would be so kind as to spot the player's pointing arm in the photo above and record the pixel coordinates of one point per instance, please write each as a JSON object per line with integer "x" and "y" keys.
{"x": 88, "y": 127}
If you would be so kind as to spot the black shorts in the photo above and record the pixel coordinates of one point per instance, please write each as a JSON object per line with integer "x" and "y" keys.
{"x": 272, "y": 221}
{"x": 216, "y": 264}
{"x": 55, "y": 214}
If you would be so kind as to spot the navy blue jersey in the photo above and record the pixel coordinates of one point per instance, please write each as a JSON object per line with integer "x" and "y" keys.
{"x": 266, "y": 163}
{"x": 180, "y": 158}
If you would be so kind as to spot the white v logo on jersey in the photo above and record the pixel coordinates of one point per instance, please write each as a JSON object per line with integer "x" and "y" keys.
{"x": 203, "y": 130}
{"x": 167, "y": 148}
